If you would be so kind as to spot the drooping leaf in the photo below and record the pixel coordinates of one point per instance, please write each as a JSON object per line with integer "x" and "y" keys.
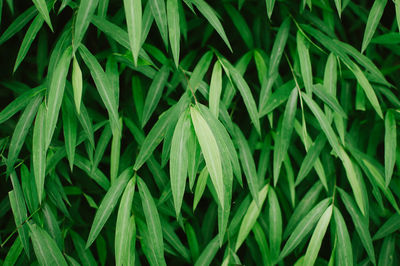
{"x": 153, "y": 222}
{"x": 83, "y": 17}
{"x": 39, "y": 150}
{"x": 344, "y": 248}
{"x": 179, "y": 160}
{"x": 390, "y": 145}
{"x": 107, "y": 205}
{"x": 133, "y": 14}
{"x": 44, "y": 12}
{"x": 174, "y": 29}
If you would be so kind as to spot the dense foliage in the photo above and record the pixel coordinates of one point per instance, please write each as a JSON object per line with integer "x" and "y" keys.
{"x": 199, "y": 132}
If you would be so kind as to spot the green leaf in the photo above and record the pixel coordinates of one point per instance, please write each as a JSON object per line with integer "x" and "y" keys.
{"x": 270, "y": 7}
{"x": 13, "y": 253}
{"x": 19, "y": 211}
{"x": 210, "y": 14}
{"x": 372, "y": 23}
{"x": 85, "y": 255}
{"x": 275, "y": 225}
{"x": 200, "y": 186}
{"x": 344, "y": 248}
{"x": 208, "y": 254}
{"x": 21, "y": 130}
{"x": 107, "y": 205}
{"x": 397, "y": 8}
{"x": 316, "y": 240}
{"x": 70, "y": 125}
{"x": 133, "y": 14}
{"x": 56, "y": 93}
{"x": 305, "y": 62}
{"x": 179, "y": 160}
{"x": 45, "y": 247}
{"x": 153, "y": 222}
{"x": 241, "y": 25}
{"x": 311, "y": 158}
{"x": 115, "y": 153}
{"x": 17, "y": 104}
{"x": 122, "y": 239}
{"x": 199, "y": 71}
{"x": 77, "y": 84}
{"x": 338, "y": 4}
{"x": 248, "y": 165}
{"x": 389, "y": 227}
{"x": 39, "y": 150}
{"x": 157, "y": 133}
{"x": 160, "y": 16}
{"x": 44, "y": 12}
{"x": 210, "y": 150}
{"x": 215, "y": 89}
{"x": 304, "y": 227}
{"x": 251, "y": 216}
{"x": 83, "y": 18}
{"x": 28, "y": 39}
{"x": 328, "y": 99}
{"x": 284, "y": 133}
{"x": 18, "y": 24}
{"x": 102, "y": 84}
{"x": 387, "y": 255}
{"x": 390, "y": 145}
{"x": 174, "y": 29}
{"x": 360, "y": 224}
{"x": 245, "y": 92}
{"x": 154, "y": 94}
{"x": 355, "y": 182}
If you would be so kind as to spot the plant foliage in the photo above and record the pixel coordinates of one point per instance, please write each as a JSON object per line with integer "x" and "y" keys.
{"x": 199, "y": 132}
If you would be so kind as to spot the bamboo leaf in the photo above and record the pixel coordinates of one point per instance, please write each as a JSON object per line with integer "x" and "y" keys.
{"x": 372, "y": 23}
{"x": 304, "y": 227}
{"x": 28, "y": 39}
{"x": 210, "y": 14}
{"x": 18, "y": 24}
{"x": 122, "y": 239}
{"x": 77, "y": 84}
{"x": 39, "y": 150}
{"x": 153, "y": 223}
{"x": 316, "y": 240}
{"x": 160, "y": 16}
{"x": 390, "y": 145}
{"x": 344, "y": 248}
{"x": 21, "y": 130}
{"x": 44, "y": 12}
{"x": 56, "y": 93}
{"x": 270, "y": 7}
{"x": 248, "y": 165}
{"x": 174, "y": 29}
{"x": 102, "y": 84}
{"x": 83, "y": 17}
{"x": 133, "y": 14}
{"x": 251, "y": 217}
{"x": 179, "y": 162}
{"x": 215, "y": 89}
{"x": 107, "y": 205}
{"x": 45, "y": 247}
{"x": 210, "y": 150}
{"x": 275, "y": 225}
{"x": 284, "y": 134}
{"x": 154, "y": 94}
{"x": 305, "y": 62}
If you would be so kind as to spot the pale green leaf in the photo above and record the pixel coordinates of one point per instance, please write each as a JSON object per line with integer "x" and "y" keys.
{"x": 160, "y": 16}
{"x": 344, "y": 248}
{"x": 83, "y": 18}
{"x": 44, "y": 12}
{"x": 133, "y": 14}
{"x": 374, "y": 17}
{"x": 215, "y": 89}
{"x": 174, "y": 29}
{"x": 39, "y": 150}
{"x": 390, "y": 145}
{"x": 77, "y": 84}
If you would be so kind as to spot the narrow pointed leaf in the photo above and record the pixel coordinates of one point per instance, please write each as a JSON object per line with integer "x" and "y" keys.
{"x": 107, "y": 205}
{"x": 390, "y": 145}
{"x": 284, "y": 134}
{"x": 133, "y": 14}
{"x": 122, "y": 239}
{"x": 160, "y": 16}
{"x": 174, "y": 29}
{"x": 153, "y": 222}
{"x": 83, "y": 17}
{"x": 44, "y": 12}
{"x": 344, "y": 248}
{"x": 215, "y": 89}
{"x": 316, "y": 240}
{"x": 210, "y": 150}
{"x": 45, "y": 247}
{"x": 251, "y": 216}
{"x": 39, "y": 150}
{"x": 374, "y": 17}
{"x": 179, "y": 160}
{"x": 77, "y": 84}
